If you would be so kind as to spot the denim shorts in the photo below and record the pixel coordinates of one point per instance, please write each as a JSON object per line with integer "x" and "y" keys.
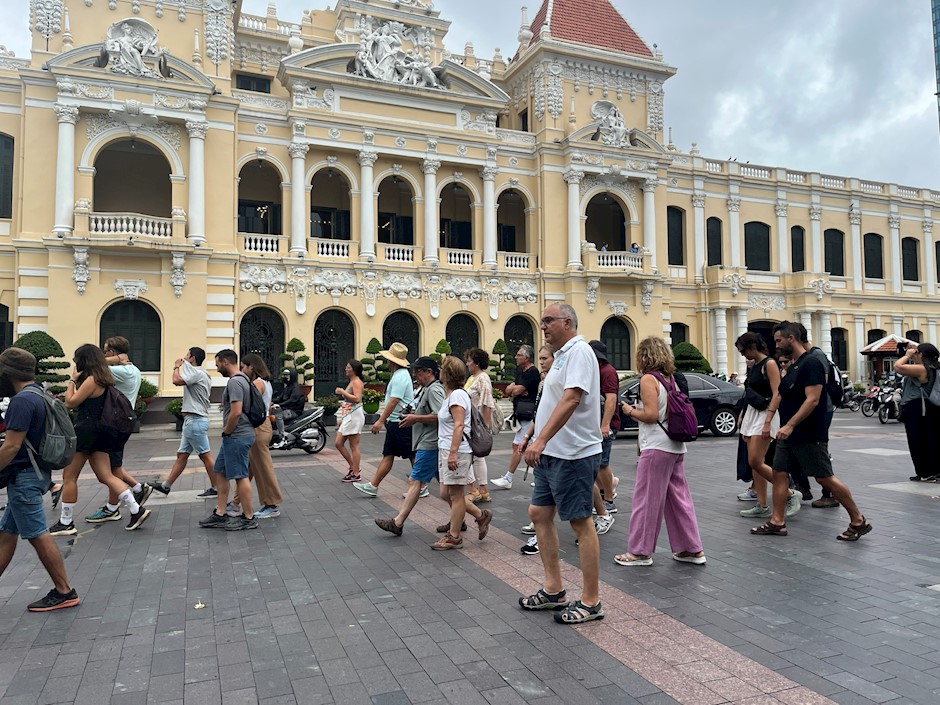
{"x": 232, "y": 460}
{"x": 425, "y": 467}
{"x": 24, "y": 514}
{"x": 606, "y": 445}
{"x": 195, "y": 439}
{"x": 567, "y": 485}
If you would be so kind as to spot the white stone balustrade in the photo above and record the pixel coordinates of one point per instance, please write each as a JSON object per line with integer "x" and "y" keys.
{"x": 334, "y": 249}
{"x": 265, "y": 244}
{"x": 460, "y": 258}
{"x": 619, "y": 260}
{"x": 513, "y": 260}
{"x": 399, "y": 253}
{"x": 130, "y": 224}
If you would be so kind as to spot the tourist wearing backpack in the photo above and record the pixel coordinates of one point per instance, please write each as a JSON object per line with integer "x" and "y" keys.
{"x": 24, "y": 516}
{"x": 661, "y": 490}
{"x": 91, "y": 392}
{"x": 480, "y": 389}
{"x": 918, "y": 365}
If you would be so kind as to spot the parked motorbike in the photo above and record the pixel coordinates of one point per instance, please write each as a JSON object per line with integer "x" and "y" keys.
{"x": 872, "y": 401}
{"x": 890, "y": 405}
{"x": 306, "y": 432}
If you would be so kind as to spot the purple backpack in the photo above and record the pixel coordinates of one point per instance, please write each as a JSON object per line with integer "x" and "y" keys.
{"x": 681, "y": 422}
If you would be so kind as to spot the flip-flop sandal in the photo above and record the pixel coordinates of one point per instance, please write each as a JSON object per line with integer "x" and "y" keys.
{"x": 770, "y": 529}
{"x": 855, "y": 532}
{"x": 579, "y": 613}
{"x": 544, "y": 601}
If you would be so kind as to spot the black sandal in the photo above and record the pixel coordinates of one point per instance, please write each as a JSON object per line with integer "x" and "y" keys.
{"x": 544, "y": 601}
{"x": 770, "y": 529}
{"x": 579, "y": 613}
{"x": 56, "y": 494}
{"x": 855, "y": 531}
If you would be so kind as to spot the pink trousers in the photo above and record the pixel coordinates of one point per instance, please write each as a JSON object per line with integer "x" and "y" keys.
{"x": 661, "y": 491}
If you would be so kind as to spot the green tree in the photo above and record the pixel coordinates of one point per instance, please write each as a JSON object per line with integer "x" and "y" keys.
{"x": 46, "y": 348}
{"x": 369, "y": 368}
{"x": 301, "y": 363}
{"x": 690, "y": 359}
{"x": 443, "y": 348}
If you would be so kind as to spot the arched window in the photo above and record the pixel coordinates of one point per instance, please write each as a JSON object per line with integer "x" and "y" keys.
{"x": 915, "y": 335}
{"x": 511, "y": 222}
{"x": 132, "y": 176}
{"x": 329, "y": 205}
{"x": 462, "y": 334}
{"x": 456, "y": 218}
{"x": 401, "y": 327}
{"x": 518, "y": 332}
{"x": 334, "y": 339}
{"x": 910, "y": 270}
{"x": 140, "y": 324}
{"x": 834, "y": 251}
{"x": 259, "y": 199}
{"x": 876, "y": 334}
{"x": 675, "y": 229}
{"x": 6, "y": 176}
{"x": 262, "y": 332}
{"x": 840, "y": 348}
{"x": 678, "y": 333}
{"x": 757, "y": 246}
{"x": 616, "y": 336}
{"x": 713, "y": 242}
{"x": 396, "y": 223}
{"x": 874, "y": 257}
{"x": 797, "y": 249}
{"x": 606, "y": 224}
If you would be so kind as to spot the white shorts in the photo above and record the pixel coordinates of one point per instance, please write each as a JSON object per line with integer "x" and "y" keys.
{"x": 352, "y": 423}
{"x": 753, "y": 423}
{"x": 520, "y": 434}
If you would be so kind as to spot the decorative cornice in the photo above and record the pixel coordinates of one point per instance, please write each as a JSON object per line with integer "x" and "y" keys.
{"x": 66, "y": 113}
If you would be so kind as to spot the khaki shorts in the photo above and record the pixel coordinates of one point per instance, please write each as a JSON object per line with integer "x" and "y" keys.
{"x": 461, "y": 476}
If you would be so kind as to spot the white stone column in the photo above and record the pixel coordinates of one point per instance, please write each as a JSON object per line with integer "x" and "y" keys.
{"x": 740, "y": 328}
{"x": 712, "y": 339}
{"x": 734, "y": 230}
{"x": 825, "y": 332}
{"x": 698, "y": 219}
{"x": 894, "y": 225}
{"x": 930, "y": 274}
{"x": 861, "y": 372}
{"x": 783, "y": 236}
{"x": 573, "y": 177}
{"x": 197, "y": 130}
{"x": 806, "y": 318}
{"x": 855, "y": 220}
{"x": 65, "y": 170}
{"x": 298, "y": 219}
{"x": 897, "y": 326}
{"x": 649, "y": 218}
{"x": 366, "y": 205}
{"x": 488, "y": 175}
{"x": 815, "y": 215}
{"x": 931, "y": 330}
{"x": 721, "y": 341}
{"x": 431, "y": 222}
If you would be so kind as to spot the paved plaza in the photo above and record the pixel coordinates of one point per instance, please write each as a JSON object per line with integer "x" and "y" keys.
{"x": 320, "y": 606}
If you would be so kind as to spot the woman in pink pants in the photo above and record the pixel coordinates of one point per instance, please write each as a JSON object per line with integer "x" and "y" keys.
{"x": 661, "y": 489}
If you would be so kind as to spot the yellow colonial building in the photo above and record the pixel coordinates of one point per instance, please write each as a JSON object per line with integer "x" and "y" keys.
{"x": 183, "y": 173}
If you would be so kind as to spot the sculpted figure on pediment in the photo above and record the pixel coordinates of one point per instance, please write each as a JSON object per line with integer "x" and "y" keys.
{"x": 381, "y": 57}
{"x": 128, "y": 43}
{"x": 613, "y": 129}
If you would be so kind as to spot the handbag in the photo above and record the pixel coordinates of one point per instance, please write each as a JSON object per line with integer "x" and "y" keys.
{"x": 754, "y": 398}
{"x": 525, "y": 410}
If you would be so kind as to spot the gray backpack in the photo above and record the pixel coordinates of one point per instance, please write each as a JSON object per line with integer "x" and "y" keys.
{"x": 57, "y": 446}
{"x": 480, "y": 437}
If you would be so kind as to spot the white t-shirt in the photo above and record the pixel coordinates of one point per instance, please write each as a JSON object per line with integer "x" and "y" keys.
{"x": 127, "y": 381}
{"x": 197, "y": 389}
{"x": 651, "y": 435}
{"x": 445, "y": 422}
{"x": 575, "y": 367}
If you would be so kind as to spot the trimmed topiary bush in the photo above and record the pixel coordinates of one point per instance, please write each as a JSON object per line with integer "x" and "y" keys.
{"x": 46, "y": 348}
{"x": 690, "y": 359}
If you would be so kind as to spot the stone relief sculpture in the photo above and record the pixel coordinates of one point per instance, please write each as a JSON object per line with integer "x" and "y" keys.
{"x": 128, "y": 43}
{"x": 381, "y": 57}
{"x": 613, "y": 130}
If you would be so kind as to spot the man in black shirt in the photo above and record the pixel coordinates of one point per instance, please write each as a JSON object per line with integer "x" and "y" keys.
{"x": 803, "y": 438}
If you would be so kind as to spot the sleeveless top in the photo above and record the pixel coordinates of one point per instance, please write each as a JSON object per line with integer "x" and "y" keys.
{"x": 266, "y": 395}
{"x": 90, "y": 410}
{"x": 651, "y": 435}
{"x": 758, "y": 380}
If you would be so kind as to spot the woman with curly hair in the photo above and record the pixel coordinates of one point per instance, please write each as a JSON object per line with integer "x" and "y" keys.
{"x": 661, "y": 490}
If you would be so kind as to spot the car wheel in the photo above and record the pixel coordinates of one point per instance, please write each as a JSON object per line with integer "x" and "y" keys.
{"x": 723, "y": 423}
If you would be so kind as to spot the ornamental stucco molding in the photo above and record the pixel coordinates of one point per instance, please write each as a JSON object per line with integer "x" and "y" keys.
{"x": 654, "y": 107}
{"x": 646, "y": 296}
{"x": 96, "y": 124}
{"x": 736, "y": 280}
{"x": 46, "y": 17}
{"x": 462, "y": 289}
{"x": 815, "y": 212}
{"x": 928, "y": 227}
{"x": 197, "y": 129}
{"x": 434, "y": 289}
{"x": 303, "y": 96}
{"x": 80, "y": 271}
{"x": 66, "y": 113}
{"x": 593, "y": 284}
{"x": 767, "y": 302}
{"x": 130, "y": 289}
{"x": 261, "y": 101}
{"x": 369, "y": 286}
{"x": 618, "y": 184}
{"x": 894, "y": 221}
{"x": 485, "y": 122}
{"x": 218, "y": 33}
{"x": 515, "y": 136}
{"x": 618, "y": 308}
{"x": 178, "y": 273}
{"x": 68, "y": 87}
{"x": 595, "y": 76}
{"x": 263, "y": 279}
{"x": 855, "y": 217}
{"x": 734, "y": 204}
{"x": 780, "y": 209}
{"x": 821, "y": 287}
{"x": 491, "y": 292}
{"x": 520, "y": 291}
{"x": 178, "y": 102}
{"x": 698, "y": 199}
{"x": 402, "y": 287}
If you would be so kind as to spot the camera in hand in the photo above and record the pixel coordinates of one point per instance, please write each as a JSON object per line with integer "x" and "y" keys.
{"x": 407, "y": 409}
{"x": 902, "y": 348}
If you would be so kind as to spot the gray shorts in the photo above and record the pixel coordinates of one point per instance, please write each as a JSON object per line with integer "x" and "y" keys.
{"x": 812, "y": 459}
{"x": 567, "y": 485}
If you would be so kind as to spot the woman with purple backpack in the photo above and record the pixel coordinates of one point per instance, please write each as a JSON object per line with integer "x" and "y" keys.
{"x": 661, "y": 490}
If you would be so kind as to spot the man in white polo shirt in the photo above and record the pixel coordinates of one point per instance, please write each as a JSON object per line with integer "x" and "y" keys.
{"x": 566, "y": 453}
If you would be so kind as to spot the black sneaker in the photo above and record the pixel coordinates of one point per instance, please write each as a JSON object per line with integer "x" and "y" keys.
{"x": 214, "y": 521}
{"x": 531, "y": 547}
{"x": 211, "y": 492}
{"x": 60, "y": 529}
{"x": 54, "y": 601}
{"x": 144, "y": 494}
{"x": 137, "y": 519}
{"x": 240, "y": 523}
{"x": 161, "y": 487}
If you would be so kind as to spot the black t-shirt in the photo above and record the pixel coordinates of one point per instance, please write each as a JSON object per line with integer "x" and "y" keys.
{"x": 806, "y": 371}
{"x": 27, "y": 412}
{"x": 530, "y": 380}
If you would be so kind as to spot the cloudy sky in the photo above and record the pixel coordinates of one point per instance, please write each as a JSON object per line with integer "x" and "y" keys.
{"x": 844, "y": 87}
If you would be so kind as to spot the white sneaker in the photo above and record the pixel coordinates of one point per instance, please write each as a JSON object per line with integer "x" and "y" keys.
{"x": 794, "y": 503}
{"x": 503, "y": 483}
{"x": 602, "y": 524}
{"x": 529, "y": 529}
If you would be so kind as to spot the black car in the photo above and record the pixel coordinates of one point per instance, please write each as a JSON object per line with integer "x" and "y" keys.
{"x": 713, "y": 399}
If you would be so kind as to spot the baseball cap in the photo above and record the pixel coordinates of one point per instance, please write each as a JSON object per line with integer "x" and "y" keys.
{"x": 600, "y": 350}
{"x": 426, "y": 363}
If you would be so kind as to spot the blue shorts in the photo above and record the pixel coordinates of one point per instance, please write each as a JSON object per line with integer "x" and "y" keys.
{"x": 232, "y": 460}
{"x": 24, "y": 514}
{"x": 425, "y": 467}
{"x": 195, "y": 439}
{"x": 567, "y": 485}
{"x": 606, "y": 445}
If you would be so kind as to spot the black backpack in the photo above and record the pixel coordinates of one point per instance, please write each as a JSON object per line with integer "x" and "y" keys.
{"x": 833, "y": 386}
{"x": 254, "y": 410}
{"x": 117, "y": 416}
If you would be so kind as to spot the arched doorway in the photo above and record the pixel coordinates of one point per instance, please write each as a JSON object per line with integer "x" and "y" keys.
{"x": 606, "y": 227}
{"x": 131, "y": 176}
{"x": 262, "y": 332}
{"x": 462, "y": 334}
{"x": 765, "y": 329}
{"x": 517, "y": 332}
{"x": 615, "y": 334}
{"x": 259, "y": 199}
{"x": 140, "y": 324}
{"x": 401, "y": 327}
{"x": 456, "y": 218}
{"x": 333, "y": 344}
{"x": 396, "y": 212}
{"x": 511, "y": 222}
{"x": 329, "y": 205}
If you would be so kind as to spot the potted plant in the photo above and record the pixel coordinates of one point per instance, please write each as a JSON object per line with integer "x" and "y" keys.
{"x": 330, "y": 404}
{"x": 371, "y": 400}
{"x": 140, "y": 408}
{"x": 43, "y": 346}
{"x": 147, "y": 391}
{"x": 175, "y": 407}
{"x": 301, "y": 363}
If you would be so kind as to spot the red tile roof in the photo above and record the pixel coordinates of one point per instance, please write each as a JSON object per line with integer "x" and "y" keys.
{"x": 591, "y": 22}
{"x": 887, "y": 345}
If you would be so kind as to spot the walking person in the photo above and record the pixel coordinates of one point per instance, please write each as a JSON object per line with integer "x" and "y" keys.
{"x": 423, "y": 425}
{"x": 260, "y": 465}
{"x": 566, "y": 453}
{"x": 918, "y": 366}
{"x": 610, "y": 425}
{"x": 803, "y": 438}
{"x": 85, "y": 392}
{"x": 523, "y": 392}
{"x": 238, "y": 435}
{"x": 661, "y": 490}
{"x": 188, "y": 374}
{"x": 25, "y": 422}
{"x": 398, "y": 395}
{"x": 480, "y": 389}
{"x": 455, "y": 456}
{"x": 351, "y": 418}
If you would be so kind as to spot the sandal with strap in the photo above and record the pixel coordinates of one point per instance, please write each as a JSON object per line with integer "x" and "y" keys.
{"x": 579, "y": 613}
{"x": 855, "y": 531}
{"x": 770, "y": 529}
{"x": 544, "y": 601}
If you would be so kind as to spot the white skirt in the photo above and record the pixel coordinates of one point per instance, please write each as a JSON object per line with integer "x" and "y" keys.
{"x": 352, "y": 423}
{"x": 753, "y": 423}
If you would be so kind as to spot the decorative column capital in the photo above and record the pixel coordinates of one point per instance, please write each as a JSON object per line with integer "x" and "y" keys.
{"x": 855, "y": 217}
{"x": 650, "y": 184}
{"x": 734, "y": 204}
{"x": 298, "y": 150}
{"x": 815, "y": 212}
{"x": 780, "y": 209}
{"x": 66, "y": 113}
{"x": 894, "y": 221}
{"x": 698, "y": 199}
{"x": 367, "y": 158}
{"x": 197, "y": 129}
{"x": 430, "y": 166}
{"x": 488, "y": 173}
{"x": 928, "y": 227}
{"x": 573, "y": 176}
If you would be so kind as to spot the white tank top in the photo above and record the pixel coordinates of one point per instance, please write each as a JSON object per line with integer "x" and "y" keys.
{"x": 651, "y": 435}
